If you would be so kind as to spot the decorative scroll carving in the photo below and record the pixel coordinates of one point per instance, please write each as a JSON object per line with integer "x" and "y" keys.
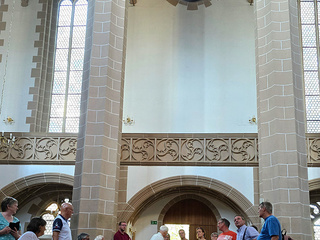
{"x": 243, "y": 150}
{"x": 314, "y": 149}
{"x": 142, "y": 150}
{"x": 46, "y": 148}
{"x": 189, "y": 151}
{"x": 125, "y": 150}
{"x": 68, "y": 148}
{"x": 4, "y": 151}
{"x": 167, "y": 150}
{"x": 192, "y": 149}
{"x": 152, "y": 150}
{"x": 22, "y": 148}
{"x": 40, "y": 149}
{"x": 217, "y": 150}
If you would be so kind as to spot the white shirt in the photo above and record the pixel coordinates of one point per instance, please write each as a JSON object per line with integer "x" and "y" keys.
{"x": 157, "y": 236}
{"x": 64, "y": 230}
{"x": 28, "y": 236}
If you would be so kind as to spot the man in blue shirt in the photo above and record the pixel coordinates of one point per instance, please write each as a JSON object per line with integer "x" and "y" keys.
{"x": 244, "y": 232}
{"x": 271, "y": 229}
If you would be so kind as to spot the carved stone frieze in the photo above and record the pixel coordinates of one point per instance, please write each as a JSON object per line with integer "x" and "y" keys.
{"x": 143, "y": 149}
{"x": 177, "y": 151}
{"x": 40, "y": 148}
{"x": 313, "y": 150}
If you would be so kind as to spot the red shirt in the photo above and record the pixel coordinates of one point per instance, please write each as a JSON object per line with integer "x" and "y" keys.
{"x": 227, "y": 236}
{"x": 120, "y": 236}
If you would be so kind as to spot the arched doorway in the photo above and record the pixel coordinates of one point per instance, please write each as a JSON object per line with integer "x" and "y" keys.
{"x": 41, "y": 190}
{"x": 193, "y": 213}
{"x": 182, "y": 185}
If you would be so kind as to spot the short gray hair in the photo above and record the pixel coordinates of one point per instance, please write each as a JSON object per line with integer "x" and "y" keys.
{"x": 99, "y": 237}
{"x": 214, "y": 234}
{"x": 267, "y": 206}
{"x": 164, "y": 228}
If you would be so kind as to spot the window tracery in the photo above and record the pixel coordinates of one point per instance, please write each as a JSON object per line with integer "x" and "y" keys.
{"x": 68, "y": 66}
{"x": 310, "y": 18}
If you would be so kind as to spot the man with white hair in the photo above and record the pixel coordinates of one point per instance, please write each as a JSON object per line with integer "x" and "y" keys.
{"x": 161, "y": 234}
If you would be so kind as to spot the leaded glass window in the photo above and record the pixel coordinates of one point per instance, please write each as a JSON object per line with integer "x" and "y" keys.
{"x": 68, "y": 66}
{"x": 315, "y": 218}
{"x": 310, "y": 16}
{"x": 50, "y": 214}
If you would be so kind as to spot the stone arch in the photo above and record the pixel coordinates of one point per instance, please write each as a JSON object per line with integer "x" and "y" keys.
{"x": 314, "y": 184}
{"x": 314, "y": 190}
{"x": 188, "y": 184}
{"x": 187, "y": 196}
{"x": 49, "y": 185}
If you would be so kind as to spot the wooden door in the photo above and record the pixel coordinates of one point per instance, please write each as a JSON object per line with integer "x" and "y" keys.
{"x": 194, "y": 213}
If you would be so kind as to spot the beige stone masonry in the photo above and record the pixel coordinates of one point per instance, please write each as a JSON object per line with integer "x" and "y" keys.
{"x": 95, "y": 194}
{"x": 3, "y": 9}
{"x": 281, "y": 133}
{"x": 42, "y": 73}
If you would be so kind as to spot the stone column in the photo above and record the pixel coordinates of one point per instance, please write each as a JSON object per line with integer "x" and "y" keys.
{"x": 281, "y": 128}
{"x": 95, "y": 193}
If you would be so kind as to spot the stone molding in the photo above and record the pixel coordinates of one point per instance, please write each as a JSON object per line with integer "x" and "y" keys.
{"x": 3, "y": 9}
{"x": 50, "y": 149}
{"x": 184, "y": 184}
{"x": 314, "y": 184}
{"x": 26, "y": 182}
{"x": 148, "y": 149}
{"x": 184, "y": 149}
{"x": 42, "y": 72}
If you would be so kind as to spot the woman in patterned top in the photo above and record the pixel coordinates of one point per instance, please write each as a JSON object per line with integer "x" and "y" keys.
{"x": 9, "y": 207}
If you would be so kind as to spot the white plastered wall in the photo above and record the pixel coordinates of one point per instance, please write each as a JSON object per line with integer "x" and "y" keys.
{"x": 313, "y": 173}
{"x": 190, "y": 71}
{"x": 11, "y": 173}
{"x": 23, "y": 215}
{"x": 240, "y": 178}
{"x": 19, "y": 37}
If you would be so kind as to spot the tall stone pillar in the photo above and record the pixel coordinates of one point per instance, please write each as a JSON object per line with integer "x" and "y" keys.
{"x": 281, "y": 128}
{"x": 95, "y": 192}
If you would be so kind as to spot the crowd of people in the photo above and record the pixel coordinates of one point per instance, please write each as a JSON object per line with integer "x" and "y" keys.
{"x": 271, "y": 229}
{"x": 10, "y": 227}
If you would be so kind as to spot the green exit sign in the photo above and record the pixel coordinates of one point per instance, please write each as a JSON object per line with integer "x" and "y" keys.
{"x": 154, "y": 222}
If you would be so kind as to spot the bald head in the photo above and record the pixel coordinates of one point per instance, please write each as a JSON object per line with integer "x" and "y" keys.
{"x": 66, "y": 210}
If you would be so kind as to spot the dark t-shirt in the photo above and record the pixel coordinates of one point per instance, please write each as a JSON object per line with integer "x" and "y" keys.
{"x": 120, "y": 236}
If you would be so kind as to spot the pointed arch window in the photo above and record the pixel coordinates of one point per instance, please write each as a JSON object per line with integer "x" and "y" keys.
{"x": 310, "y": 20}
{"x": 68, "y": 66}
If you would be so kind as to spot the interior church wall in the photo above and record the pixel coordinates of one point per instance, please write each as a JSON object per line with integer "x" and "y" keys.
{"x": 313, "y": 173}
{"x": 240, "y": 179}
{"x": 190, "y": 71}
{"x": 144, "y": 229}
{"x": 23, "y": 214}
{"x": 11, "y": 173}
{"x": 19, "y": 39}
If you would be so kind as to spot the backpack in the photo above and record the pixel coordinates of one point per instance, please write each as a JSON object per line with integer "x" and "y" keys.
{"x": 284, "y": 235}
